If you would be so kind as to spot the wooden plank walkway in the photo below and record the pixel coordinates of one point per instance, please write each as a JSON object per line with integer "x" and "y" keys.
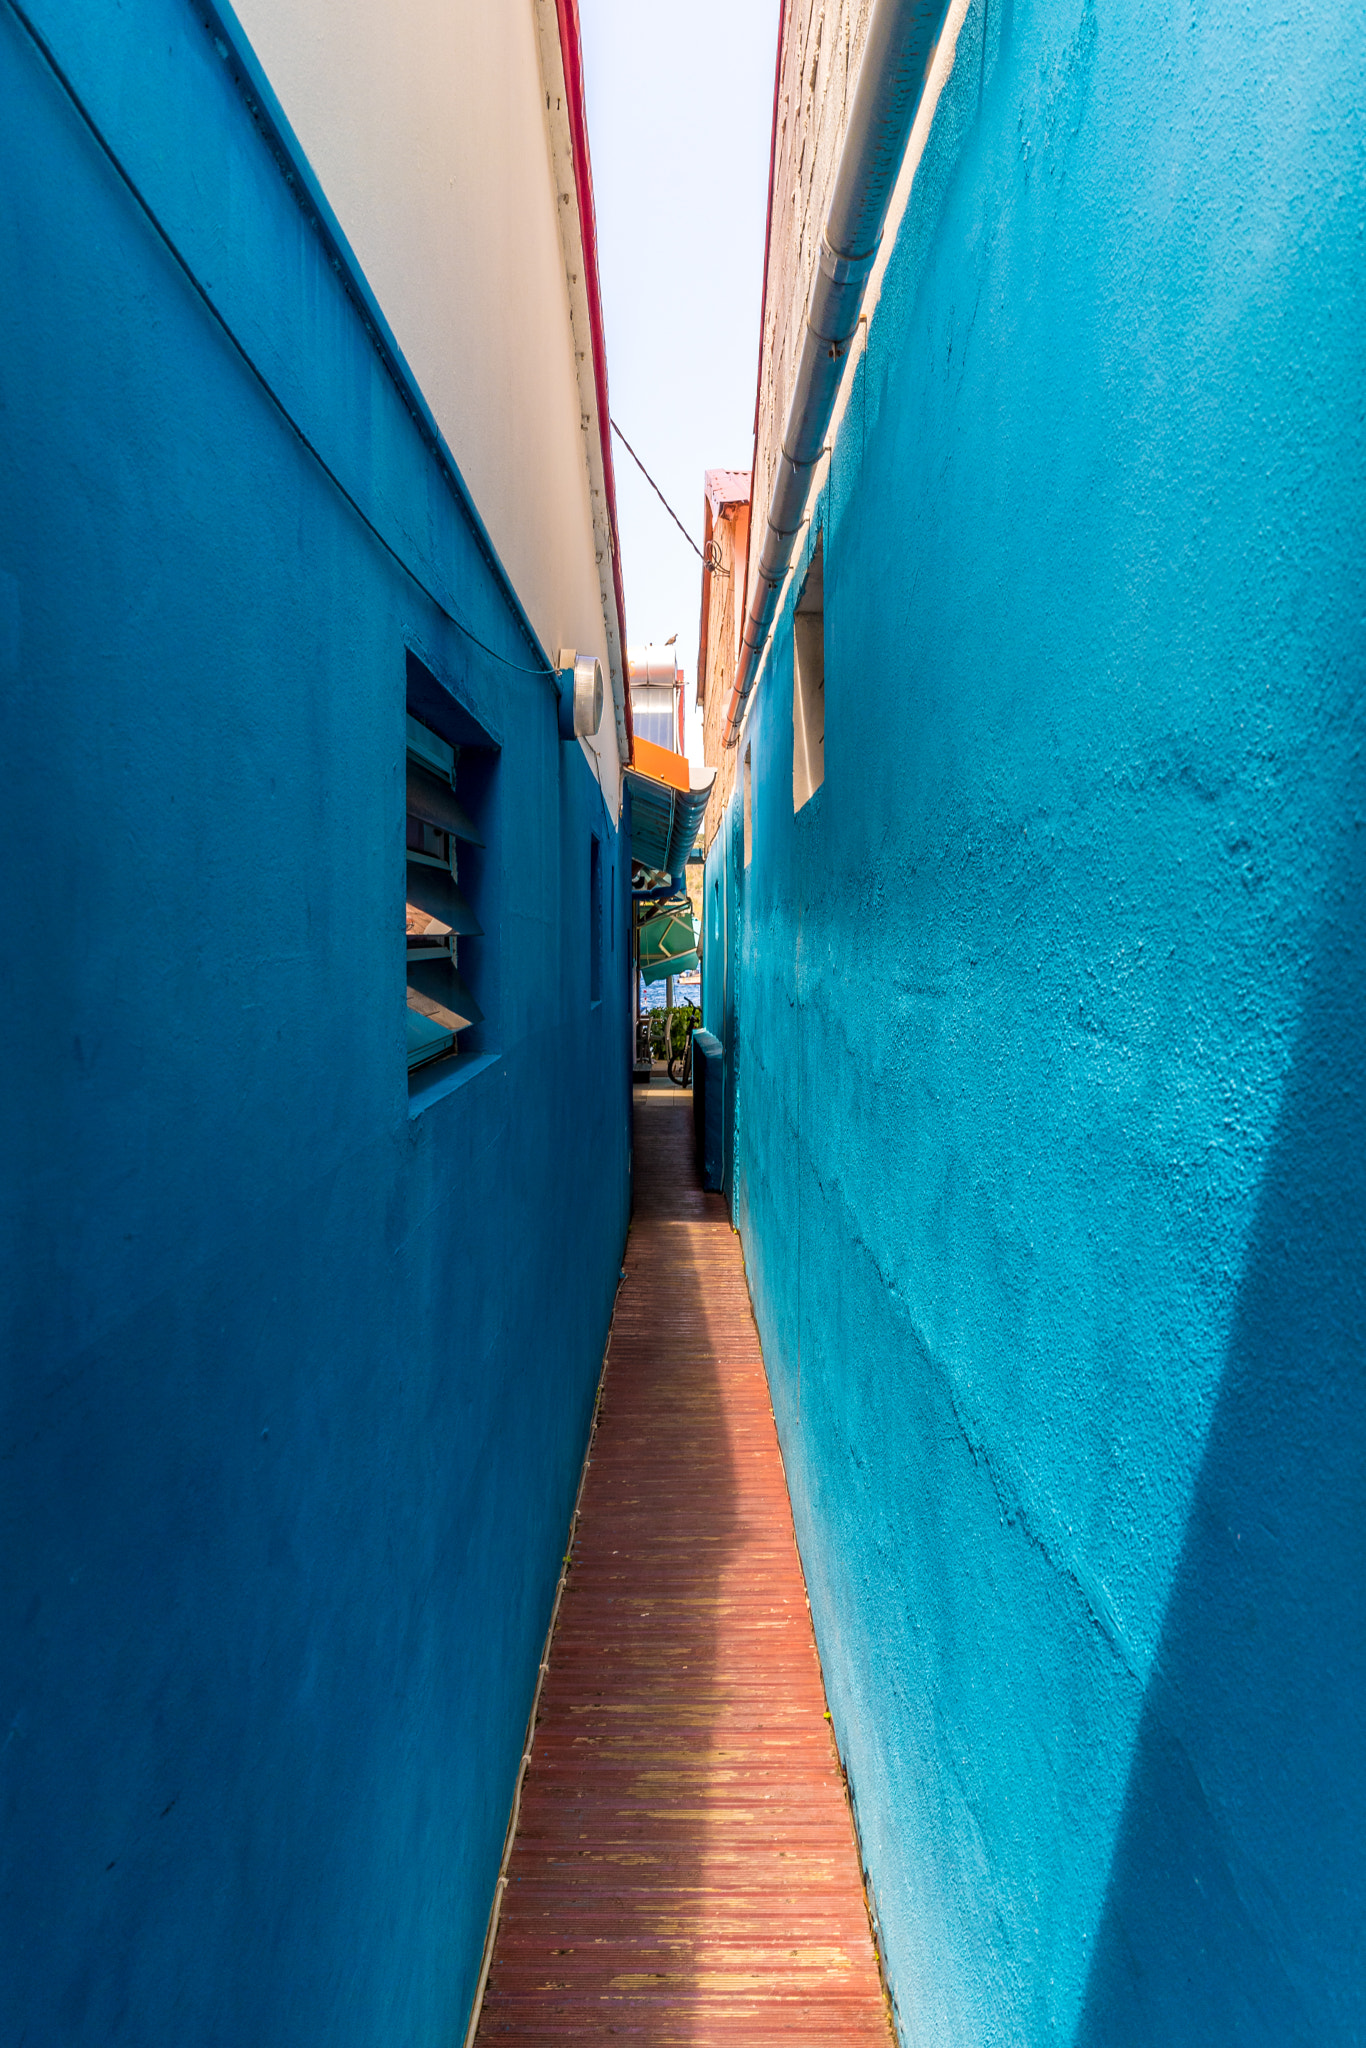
{"x": 684, "y": 1870}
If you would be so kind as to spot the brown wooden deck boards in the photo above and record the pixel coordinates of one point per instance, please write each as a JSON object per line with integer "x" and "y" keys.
{"x": 684, "y": 1870}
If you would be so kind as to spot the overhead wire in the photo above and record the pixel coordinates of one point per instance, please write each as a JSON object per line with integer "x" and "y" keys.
{"x": 658, "y": 493}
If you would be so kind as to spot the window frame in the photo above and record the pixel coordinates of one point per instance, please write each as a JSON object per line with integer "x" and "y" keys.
{"x": 808, "y": 681}
{"x": 450, "y": 775}
{"x": 594, "y": 920}
{"x": 747, "y": 802}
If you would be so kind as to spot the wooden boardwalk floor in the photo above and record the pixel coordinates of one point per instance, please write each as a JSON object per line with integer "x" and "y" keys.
{"x": 684, "y": 1870}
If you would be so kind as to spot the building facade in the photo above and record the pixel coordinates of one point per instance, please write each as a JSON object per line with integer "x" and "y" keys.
{"x": 306, "y": 503}
{"x": 725, "y": 525}
{"x": 1034, "y": 937}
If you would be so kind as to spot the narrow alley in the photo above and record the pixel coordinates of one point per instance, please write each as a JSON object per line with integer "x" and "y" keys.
{"x": 683, "y": 1188}
{"x": 684, "y": 1869}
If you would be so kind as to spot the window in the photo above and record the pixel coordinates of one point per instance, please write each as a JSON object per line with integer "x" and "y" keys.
{"x": 749, "y": 809}
{"x": 453, "y": 862}
{"x": 439, "y": 915}
{"x": 595, "y": 919}
{"x": 808, "y": 683}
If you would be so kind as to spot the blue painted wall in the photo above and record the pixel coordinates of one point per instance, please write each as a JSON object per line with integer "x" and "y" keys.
{"x": 296, "y": 1384}
{"x": 723, "y": 883}
{"x": 1051, "y": 1088}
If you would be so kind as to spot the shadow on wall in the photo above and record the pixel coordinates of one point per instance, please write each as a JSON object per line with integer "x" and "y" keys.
{"x": 1234, "y": 1912}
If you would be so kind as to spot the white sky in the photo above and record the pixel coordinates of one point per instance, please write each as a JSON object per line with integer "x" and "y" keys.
{"x": 680, "y": 106}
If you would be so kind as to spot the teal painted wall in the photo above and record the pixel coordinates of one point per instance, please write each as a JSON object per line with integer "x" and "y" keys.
{"x": 723, "y": 885}
{"x": 1050, "y": 1075}
{"x": 295, "y": 1385}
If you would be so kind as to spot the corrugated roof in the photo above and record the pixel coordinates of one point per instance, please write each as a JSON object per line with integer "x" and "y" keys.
{"x": 664, "y": 821}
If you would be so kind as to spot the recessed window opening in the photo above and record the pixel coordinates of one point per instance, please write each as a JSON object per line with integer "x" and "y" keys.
{"x": 808, "y": 683}
{"x": 749, "y": 809}
{"x": 453, "y": 867}
{"x": 595, "y": 919}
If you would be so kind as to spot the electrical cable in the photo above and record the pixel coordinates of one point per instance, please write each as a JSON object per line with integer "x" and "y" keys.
{"x": 655, "y": 488}
{"x": 40, "y": 43}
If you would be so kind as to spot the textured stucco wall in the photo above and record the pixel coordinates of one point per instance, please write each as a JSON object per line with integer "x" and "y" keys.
{"x": 295, "y": 1384}
{"x": 719, "y": 960}
{"x": 426, "y": 123}
{"x": 1049, "y": 1060}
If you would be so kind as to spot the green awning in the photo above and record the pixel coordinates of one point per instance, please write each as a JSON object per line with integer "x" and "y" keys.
{"x": 687, "y": 963}
{"x": 668, "y": 945}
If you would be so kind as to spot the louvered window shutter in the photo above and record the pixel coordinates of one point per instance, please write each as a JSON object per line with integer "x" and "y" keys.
{"x": 438, "y": 916}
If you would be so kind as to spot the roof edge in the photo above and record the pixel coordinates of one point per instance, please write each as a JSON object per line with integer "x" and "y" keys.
{"x": 571, "y": 53}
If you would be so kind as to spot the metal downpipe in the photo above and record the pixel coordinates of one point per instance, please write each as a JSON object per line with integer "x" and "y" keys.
{"x": 902, "y": 37}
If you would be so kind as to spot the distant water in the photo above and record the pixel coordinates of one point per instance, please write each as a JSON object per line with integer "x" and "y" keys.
{"x": 687, "y": 989}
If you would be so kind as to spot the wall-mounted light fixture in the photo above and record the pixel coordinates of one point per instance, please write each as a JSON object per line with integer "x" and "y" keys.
{"x": 581, "y": 695}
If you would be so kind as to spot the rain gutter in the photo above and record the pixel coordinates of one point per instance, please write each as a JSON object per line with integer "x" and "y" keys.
{"x": 902, "y": 38}
{"x": 571, "y": 53}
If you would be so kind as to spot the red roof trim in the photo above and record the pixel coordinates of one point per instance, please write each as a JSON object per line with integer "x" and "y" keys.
{"x": 571, "y": 51}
